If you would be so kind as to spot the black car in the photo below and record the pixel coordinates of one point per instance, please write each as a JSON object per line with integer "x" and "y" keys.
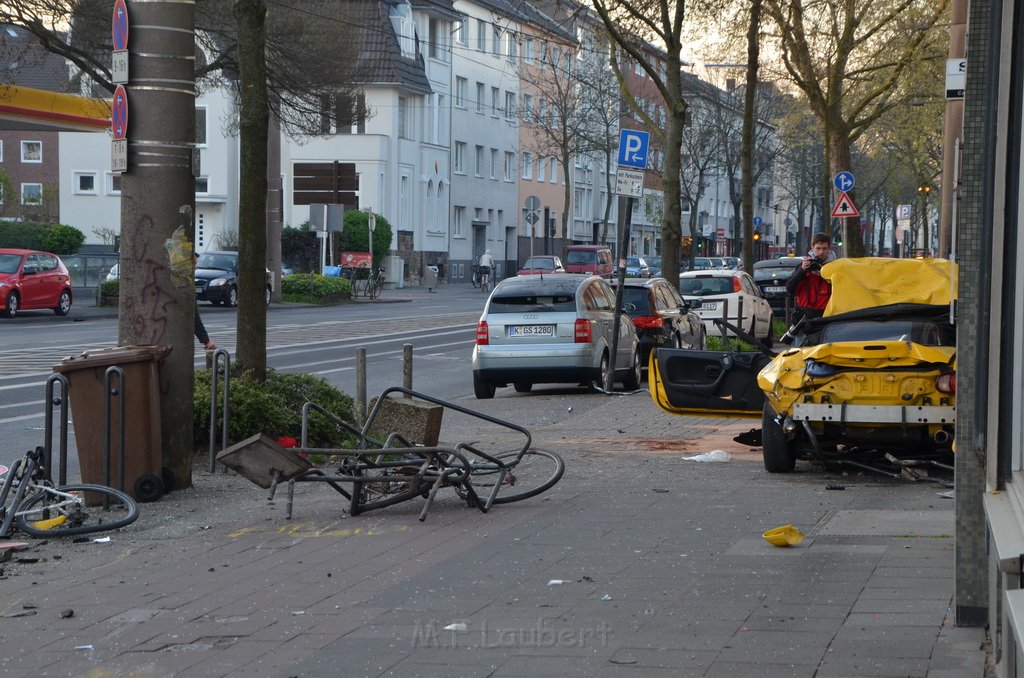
{"x": 771, "y": 276}
{"x": 661, "y": 317}
{"x": 217, "y": 278}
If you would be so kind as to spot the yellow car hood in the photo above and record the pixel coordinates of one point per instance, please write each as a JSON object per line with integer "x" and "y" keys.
{"x": 870, "y": 282}
{"x": 784, "y": 379}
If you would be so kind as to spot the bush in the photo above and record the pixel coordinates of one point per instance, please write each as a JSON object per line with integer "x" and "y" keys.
{"x": 273, "y": 407}
{"x": 61, "y": 239}
{"x": 356, "y": 236}
{"x": 313, "y": 287}
{"x": 56, "y": 238}
{"x": 110, "y": 288}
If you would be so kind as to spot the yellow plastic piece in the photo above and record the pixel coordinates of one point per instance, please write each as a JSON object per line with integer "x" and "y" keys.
{"x": 873, "y": 281}
{"x": 787, "y": 535}
{"x": 50, "y": 523}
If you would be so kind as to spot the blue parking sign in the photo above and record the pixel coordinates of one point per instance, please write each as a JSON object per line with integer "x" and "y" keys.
{"x": 633, "y": 148}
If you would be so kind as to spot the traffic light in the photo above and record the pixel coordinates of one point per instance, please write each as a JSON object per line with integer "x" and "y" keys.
{"x": 757, "y": 235}
{"x": 924, "y": 190}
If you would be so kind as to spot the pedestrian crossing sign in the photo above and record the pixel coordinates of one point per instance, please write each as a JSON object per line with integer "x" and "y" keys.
{"x": 845, "y": 207}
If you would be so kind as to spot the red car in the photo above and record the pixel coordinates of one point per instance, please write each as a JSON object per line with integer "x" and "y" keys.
{"x": 33, "y": 280}
{"x": 542, "y": 263}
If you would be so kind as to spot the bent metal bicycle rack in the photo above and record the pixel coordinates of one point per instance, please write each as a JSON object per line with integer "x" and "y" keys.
{"x": 373, "y": 464}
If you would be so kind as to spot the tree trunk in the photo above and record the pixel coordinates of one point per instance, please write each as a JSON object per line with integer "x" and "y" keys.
{"x": 747, "y": 154}
{"x": 254, "y": 116}
{"x": 157, "y": 298}
{"x": 671, "y": 226}
{"x": 839, "y": 156}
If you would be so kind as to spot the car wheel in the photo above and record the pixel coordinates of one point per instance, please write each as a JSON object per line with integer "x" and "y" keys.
{"x": 632, "y": 380}
{"x": 703, "y": 339}
{"x": 779, "y": 453}
{"x": 522, "y": 386}
{"x": 602, "y": 372}
{"x": 232, "y": 297}
{"x": 482, "y": 389}
{"x": 11, "y": 307}
{"x": 63, "y": 303}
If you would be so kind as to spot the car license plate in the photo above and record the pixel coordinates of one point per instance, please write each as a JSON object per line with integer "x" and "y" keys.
{"x": 775, "y": 290}
{"x": 531, "y": 330}
{"x": 709, "y": 306}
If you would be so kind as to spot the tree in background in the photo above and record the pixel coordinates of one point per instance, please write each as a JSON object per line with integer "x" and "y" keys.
{"x": 632, "y": 25}
{"x": 356, "y": 235}
{"x": 849, "y": 58}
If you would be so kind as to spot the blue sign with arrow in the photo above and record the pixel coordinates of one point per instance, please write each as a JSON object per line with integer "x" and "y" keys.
{"x": 633, "y": 148}
{"x": 844, "y": 181}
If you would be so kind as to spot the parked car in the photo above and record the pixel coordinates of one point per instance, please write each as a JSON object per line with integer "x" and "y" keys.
{"x": 771, "y": 276}
{"x": 217, "y": 278}
{"x": 654, "y": 263}
{"x": 552, "y": 329}
{"x": 661, "y": 317}
{"x": 703, "y": 264}
{"x": 717, "y": 263}
{"x": 592, "y": 259}
{"x": 636, "y": 267}
{"x": 875, "y": 376}
{"x": 115, "y": 272}
{"x": 731, "y": 263}
{"x": 31, "y": 280}
{"x": 713, "y": 294}
{"x": 542, "y": 263}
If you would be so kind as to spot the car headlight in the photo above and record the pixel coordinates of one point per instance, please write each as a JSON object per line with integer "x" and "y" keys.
{"x": 217, "y": 282}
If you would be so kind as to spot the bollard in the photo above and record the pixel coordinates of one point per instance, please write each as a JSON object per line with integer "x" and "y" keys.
{"x": 725, "y": 317}
{"x": 360, "y": 386}
{"x": 407, "y": 368}
{"x": 739, "y": 318}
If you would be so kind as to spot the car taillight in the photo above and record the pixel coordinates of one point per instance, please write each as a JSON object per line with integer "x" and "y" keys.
{"x": 648, "y": 323}
{"x": 482, "y": 336}
{"x": 736, "y": 287}
{"x": 582, "y": 331}
{"x": 946, "y": 383}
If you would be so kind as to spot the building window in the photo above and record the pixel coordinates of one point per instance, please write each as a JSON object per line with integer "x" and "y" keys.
{"x": 495, "y": 94}
{"x": 31, "y": 194}
{"x": 113, "y": 183}
{"x": 84, "y": 183}
{"x": 461, "y": 89}
{"x": 527, "y": 106}
{"x": 481, "y": 35}
{"x": 458, "y": 220}
{"x": 494, "y": 163}
{"x": 200, "y": 126}
{"x": 510, "y": 166}
{"x": 202, "y": 184}
{"x": 462, "y": 32}
{"x": 510, "y": 105}
{"x": 460, "y": 157}
{"x": 528, "y": 50}
{"x": 542, "y": 164}
{"x": 438, "y": 37}
{"x": 350, "y": 113}
{"x": 479, "y": 97}
{"x": 513, "y": 46}
{"x": 527, "y": 165}
{"x": 554, "y": 170}
{"x": 479, "y": 161}
{"x": 403, "y": 111}
{"x": 31, "y": 151}
{"x": 496, "y": 41}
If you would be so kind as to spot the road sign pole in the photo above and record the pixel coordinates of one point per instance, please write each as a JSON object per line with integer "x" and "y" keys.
{"x": 620, "y": 256}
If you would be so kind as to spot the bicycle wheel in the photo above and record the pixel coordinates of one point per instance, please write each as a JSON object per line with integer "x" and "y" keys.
{"x": 75, "y": 509}
{"x": 536, "y": 472}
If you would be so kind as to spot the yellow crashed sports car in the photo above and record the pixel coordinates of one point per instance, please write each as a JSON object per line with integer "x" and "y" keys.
{"x": 875, "y": 375}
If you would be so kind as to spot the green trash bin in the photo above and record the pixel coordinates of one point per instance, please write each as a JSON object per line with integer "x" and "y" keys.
{"x": 144, "y": 478}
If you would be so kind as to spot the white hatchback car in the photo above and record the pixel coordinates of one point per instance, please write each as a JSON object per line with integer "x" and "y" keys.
{"x": 552, "y": 329}
{"x": 727, "y": 295}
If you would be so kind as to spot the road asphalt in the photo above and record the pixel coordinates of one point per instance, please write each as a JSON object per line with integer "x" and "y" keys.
{"x": 645, "y": 560}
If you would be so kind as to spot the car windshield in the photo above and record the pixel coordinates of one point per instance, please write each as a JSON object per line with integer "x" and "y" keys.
{"x": 539, "y": 262}
{"x": 773, "y": 272}
{"x": 638, "y": 297}
{"x": 918, "y": 331}
{"x": 633, "y": 262}
{"x": 522, "y": 303}
{"x": 222, "y": 262}
{"x": 581, "y": 256}
{"x": 9, "y": 263}
{"x": 706, "y": 286}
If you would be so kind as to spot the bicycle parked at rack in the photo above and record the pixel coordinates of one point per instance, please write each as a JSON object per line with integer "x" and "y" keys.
{"x": 29, "y": 500}
{"x": 375, "y": 283}
{"x": 380, "y": 473}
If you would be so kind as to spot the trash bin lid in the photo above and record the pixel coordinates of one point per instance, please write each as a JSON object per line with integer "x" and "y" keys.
{"x": 115, "y": 355}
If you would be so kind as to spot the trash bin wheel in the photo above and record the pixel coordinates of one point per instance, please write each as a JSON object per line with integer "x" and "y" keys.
{"x": 170, "y": 480}
{"x": 149, "y": 487}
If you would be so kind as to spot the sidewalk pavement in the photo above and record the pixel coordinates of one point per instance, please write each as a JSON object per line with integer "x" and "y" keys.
{"x": 638, "y": 563}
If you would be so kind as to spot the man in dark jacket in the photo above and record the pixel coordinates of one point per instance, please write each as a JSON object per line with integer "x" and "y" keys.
{"x": 809, "y": 290}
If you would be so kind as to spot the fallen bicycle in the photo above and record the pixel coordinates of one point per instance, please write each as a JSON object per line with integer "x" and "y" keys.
{"x": 381, "y": 473}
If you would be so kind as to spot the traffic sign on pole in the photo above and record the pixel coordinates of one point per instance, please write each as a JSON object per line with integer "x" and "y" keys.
{"x": 845, "y": 207}
{"x": 119, "y": 25}
{"x": 844, "y": 181}
{"x": 633, "y": 148}
{"x": 119, "y": 113}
